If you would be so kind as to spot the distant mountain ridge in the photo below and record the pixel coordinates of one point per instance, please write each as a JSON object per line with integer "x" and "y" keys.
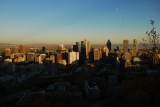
{"x": 6, "y": 44}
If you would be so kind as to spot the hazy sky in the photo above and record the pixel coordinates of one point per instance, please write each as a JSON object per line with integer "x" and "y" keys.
{"x": 68, "y": 21}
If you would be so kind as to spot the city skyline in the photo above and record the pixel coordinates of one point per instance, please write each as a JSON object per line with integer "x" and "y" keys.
{"x": 60, "y": 21}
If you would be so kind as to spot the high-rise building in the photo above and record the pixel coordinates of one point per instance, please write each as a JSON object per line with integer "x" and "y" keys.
{"x": 2, "y": 50}
{"x": 86, "y": 43}
{"x": 91, "y": 56}
{"x": 82, "y": 57}
{"x": 65, "y": 56}
{"x": 61, "y": 49}
{"x": 125, "y": 46}
{"x": 109, "y": 44}
{"x": 135, "y": 47}
{"x": 38, "y": 59}
{"x": 52, "y": 58}
{"x": 15, "y": 50}
{"x": 73, "y": 57}
{"x": 58, "y": 57}
{"x": 105, "y": 50}
{"x": 96, "y": 54}
{"x": 78, "y": 44}
{"x": 43, "y": 50}
{"x": 30, "y": 57}
{"x": 7, "y": 52}
{"x": 43, "y": 56}
{"x": 22, "y": 49}
{"x": 135, "y": 43}
{"x": 76, "y": 48}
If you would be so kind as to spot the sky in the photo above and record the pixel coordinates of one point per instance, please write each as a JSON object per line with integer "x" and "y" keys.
{"x": 69, "y": 21}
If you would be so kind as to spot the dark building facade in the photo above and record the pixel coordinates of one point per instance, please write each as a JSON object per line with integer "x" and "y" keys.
{"x": 109, "y": 44}
{"x": 82, "y": 55}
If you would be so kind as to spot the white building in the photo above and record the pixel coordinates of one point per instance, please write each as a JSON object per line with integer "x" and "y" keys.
{"x": 8, "y": 60}
{"x": 73, "y": 57}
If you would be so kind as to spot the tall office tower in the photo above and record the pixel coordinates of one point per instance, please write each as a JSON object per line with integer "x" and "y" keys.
{"x": 104, "y": 50}
{"x": 82, "y": 43}
{"x": 86, "y": 43}
{"x": 14, "y": 50}
{"x": 79, "y": 48}
{"x": 109, "y": 44}
{"x": 82, "y": 58}
{"x": 7, "y": 52}
{"x": 43, "y": 49}
{"x": 22, "y": 49}
{"x": 61, "y": 48}
{"x": 118, "y": 48}
{"x": 2, "y": 50}
{"x": 38, "y": 59}
{"x": 96, "y": 54}
{"x": 30, "y": 57}
{"x": 76, "y": 48}
{"x": 91, "y": 56}
{"x": 135, "y": 47}
{"x": 125, "y": 46}
{"x": 88, "y": 47}
{"x": 65, "y": 56}
{"x": 52, "y": 58}
{"x": 43, "y": 56}
{"x": 58, "y": 57}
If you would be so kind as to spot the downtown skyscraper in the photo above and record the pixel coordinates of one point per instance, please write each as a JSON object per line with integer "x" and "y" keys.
{"x": 109, "y": 44}
{"x": 125, "y": 46}
{"x": 87, "y": 46}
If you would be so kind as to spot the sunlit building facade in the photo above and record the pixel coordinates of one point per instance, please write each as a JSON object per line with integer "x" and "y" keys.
{"x": 125, "y": 46}
{"x": 134, "y": 48}
{"x": 96, "y": 54}
{"x": 22, "y": 49}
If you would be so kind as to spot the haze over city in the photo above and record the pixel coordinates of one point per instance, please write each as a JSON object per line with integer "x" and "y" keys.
{"x": 68, "y": 21}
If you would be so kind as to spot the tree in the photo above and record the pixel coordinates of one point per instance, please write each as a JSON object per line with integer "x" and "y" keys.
{"x": 152, "y": 41}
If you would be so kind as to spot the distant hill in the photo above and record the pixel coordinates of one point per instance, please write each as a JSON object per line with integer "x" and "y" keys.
{"x": 6, "y": 44}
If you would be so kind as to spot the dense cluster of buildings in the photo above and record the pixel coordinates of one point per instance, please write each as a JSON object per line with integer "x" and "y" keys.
{"x": 80, "y": 68}
{"x": 126, "y": 58}
{"x": 77, "y": 53}
{"x": 80, "y": 53}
